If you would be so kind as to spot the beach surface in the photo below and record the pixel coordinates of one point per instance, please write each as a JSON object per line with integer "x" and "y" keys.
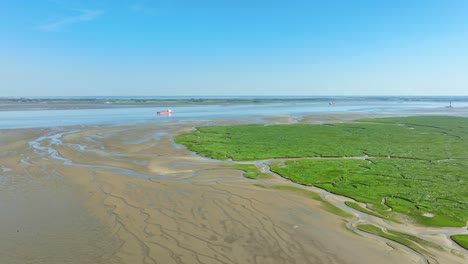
{"x": 129, "y": 194}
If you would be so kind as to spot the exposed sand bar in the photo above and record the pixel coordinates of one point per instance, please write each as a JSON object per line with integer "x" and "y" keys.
{"x": 128, "y": 194}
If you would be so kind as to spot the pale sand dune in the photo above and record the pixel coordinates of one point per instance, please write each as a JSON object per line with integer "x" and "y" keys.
{"x": 192, "y": 210}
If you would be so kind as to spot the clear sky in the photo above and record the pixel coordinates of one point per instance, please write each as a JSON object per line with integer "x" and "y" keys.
{"x": 233, "y": 47}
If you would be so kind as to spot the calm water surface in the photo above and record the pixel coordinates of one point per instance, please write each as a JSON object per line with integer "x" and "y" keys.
{"x": 49, "y": 118}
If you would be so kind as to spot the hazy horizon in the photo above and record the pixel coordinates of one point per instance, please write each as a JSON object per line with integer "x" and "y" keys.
{"x": 228, "y": 96}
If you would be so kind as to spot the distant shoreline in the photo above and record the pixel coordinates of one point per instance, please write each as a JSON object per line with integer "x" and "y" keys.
{"x": 30, "y": 104}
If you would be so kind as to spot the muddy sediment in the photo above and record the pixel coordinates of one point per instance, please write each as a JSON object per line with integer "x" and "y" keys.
{"x": 129, "y": 194}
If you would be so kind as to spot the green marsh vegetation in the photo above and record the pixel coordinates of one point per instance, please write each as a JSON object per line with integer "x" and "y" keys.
{"x": 369, "y": 212}
{"x": 402, "y": 238}
{"x": 249, "y": 170}
{"x": 461, "y": 240}
{"x": 417, "y": 166}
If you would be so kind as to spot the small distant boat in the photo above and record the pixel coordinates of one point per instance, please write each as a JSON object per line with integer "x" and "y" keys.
{"x": 165, "y": 112}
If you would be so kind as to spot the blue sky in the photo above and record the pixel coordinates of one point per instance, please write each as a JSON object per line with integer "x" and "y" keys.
{"x": 223, "y": 48}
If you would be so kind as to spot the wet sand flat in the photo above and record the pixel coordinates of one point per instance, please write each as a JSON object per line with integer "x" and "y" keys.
{"x": 128, "y": 194}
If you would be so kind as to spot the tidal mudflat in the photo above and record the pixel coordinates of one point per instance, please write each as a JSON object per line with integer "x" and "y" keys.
{"x": 129, "y": 194}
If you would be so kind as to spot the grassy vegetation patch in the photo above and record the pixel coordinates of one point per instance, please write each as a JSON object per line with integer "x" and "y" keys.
{"x": 416, "y": 239}
{"x": 372, "y": 229}
{"x": 250, "y": 171}
{"x": 336, "y": 210}
{"x": 416, "y": 137}
{"x": 417, "y": 166}
{"x": 461, "y": 240}
{"x": 412, "y": 187}
{"x": 369, "y": 212}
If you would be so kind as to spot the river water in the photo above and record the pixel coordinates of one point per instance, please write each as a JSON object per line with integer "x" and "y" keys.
{"x": 125, "y": 115}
